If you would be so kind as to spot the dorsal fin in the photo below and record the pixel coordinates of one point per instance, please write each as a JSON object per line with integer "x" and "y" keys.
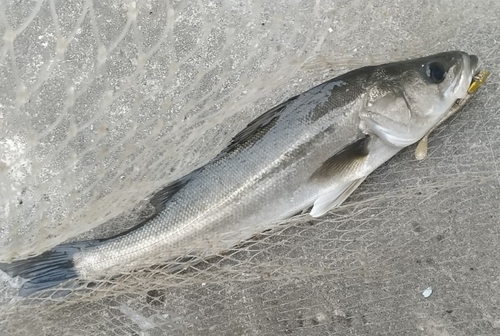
{"x": 257, "y": 128}
{"x": 160, "y": 199}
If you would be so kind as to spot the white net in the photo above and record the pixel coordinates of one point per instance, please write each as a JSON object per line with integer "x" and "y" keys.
{"x": 103, "y": 102}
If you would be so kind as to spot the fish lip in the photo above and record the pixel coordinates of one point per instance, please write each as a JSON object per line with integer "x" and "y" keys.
{"x": 474, "y": 64}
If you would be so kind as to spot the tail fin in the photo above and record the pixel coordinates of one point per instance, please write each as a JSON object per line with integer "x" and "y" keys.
{"x": 48, "y": 269}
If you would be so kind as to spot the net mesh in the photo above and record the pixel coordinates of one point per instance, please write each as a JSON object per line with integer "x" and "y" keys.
{"x": 104, "y": 102}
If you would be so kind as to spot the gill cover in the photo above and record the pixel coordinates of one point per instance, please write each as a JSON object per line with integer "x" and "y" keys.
{"x": 404, "y": 100}
{"x": 387, "y": 114}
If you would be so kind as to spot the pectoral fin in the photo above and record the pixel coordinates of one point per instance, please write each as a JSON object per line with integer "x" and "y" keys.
{"x": 335, "y": 197}
{"x": 345, "y": 163}
{"x": 346, "y": 169}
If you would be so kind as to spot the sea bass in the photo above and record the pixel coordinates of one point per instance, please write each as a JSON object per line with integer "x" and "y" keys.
{"x": 311, "y": 151}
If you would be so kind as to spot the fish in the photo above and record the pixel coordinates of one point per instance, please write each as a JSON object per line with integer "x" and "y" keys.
{"x": 311, "y": 151}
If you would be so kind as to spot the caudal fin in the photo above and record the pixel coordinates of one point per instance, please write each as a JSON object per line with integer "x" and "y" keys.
{"x": 46, "y": 270}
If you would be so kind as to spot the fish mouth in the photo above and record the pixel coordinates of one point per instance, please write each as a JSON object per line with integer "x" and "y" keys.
{"x": 474, "y": 63}
{"x": 478, "y": 76}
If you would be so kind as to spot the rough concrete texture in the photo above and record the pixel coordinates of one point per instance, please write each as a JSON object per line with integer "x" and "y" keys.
{"x": 103, "y": 102}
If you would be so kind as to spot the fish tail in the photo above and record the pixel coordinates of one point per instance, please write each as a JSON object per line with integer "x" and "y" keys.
{"x": 48, "y": 269}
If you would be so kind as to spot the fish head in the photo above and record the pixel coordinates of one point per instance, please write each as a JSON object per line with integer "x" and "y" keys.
{"x": 405, "y": 100}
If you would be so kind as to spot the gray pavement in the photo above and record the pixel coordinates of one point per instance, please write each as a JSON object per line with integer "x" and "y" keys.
{"x": 106, "y": 101}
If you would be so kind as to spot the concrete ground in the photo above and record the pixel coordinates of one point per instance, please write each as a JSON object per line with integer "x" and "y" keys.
{"x": 101, "y": 103}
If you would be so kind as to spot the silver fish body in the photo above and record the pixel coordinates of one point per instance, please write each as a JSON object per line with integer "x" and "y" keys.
{"x": 312, "y": 150}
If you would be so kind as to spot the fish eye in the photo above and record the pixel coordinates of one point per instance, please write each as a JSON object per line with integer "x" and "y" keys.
{"x": 435, "y": 72}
